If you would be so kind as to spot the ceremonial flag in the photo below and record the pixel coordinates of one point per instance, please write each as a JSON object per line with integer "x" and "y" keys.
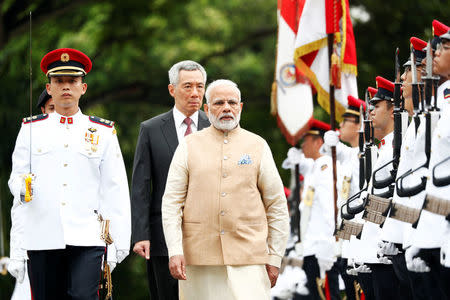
{"x": 317, "y": 19}
{"x": 291, "y": 93}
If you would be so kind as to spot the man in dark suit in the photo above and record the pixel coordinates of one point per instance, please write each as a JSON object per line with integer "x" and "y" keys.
{"x": 158, "y": 139}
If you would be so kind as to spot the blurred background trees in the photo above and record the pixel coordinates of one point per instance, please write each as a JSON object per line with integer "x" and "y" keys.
{"x": 133, "y": 44}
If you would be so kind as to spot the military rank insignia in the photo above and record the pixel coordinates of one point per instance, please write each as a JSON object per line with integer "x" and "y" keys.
{"x": 91, "y": 139}
{"x": 245, "y": 160}
{"x": 447, "y": 94}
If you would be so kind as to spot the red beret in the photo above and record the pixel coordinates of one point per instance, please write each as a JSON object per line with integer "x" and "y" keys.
{"x": 372, "y": 91}
{"x": 66, "y": 62}
{"x": 439, "y": 28}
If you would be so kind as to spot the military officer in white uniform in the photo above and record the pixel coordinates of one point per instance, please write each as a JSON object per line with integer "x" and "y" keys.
{"x": 317, "y": 214}
{"x": 77, "y": 173}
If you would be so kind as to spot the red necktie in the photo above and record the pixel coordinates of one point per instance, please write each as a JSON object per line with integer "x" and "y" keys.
{"x": 188, "y": 122}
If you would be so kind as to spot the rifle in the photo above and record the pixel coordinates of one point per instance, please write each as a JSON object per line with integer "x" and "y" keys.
{"x": 369, "y": 159}
{"x": 431, "y": 115}
{"x": 296, "y": 201}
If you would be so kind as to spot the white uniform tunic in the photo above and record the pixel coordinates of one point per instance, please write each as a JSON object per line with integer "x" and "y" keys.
{"x": 431, "y": 227}
{"x": 371, "y": 233}
{"x": 320, "y": 226}
{"x": 79, "y": 169}
{"x": 393, "y": 230}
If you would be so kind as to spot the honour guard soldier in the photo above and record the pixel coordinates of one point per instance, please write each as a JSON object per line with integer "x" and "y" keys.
{"x": 432, "y": 227}
{"x": 385, "y": 284}
{"x": 348, "y": 174}
{"x": 394, "y": 231}
{"x": 317, "y": 215}
{"x": 77, "y": 174}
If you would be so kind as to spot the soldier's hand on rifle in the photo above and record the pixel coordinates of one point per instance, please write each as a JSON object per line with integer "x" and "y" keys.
{"x": 16, "y": 267}
{"x": 142, "y": 248}
{"x": 177, "y": 267}
{"x": 273, "y": 273}
{"x": 26, "y": 191}
{"x": 386, "y": 249}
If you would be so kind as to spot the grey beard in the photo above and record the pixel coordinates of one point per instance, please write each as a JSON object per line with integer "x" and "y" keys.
{"x": 224, "y": 125}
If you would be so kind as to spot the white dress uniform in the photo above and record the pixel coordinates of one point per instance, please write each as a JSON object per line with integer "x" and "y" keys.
{"x": 79, "y": 171}
{"x": 347, "y": 181}
{"x": 371, "y": 233}
{"x": 431, "y": 227}
{"x": 317, "y": 196}
{"x": 393, "y": 230}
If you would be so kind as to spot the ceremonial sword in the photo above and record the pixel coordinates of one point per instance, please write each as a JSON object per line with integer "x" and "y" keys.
{"x": 28, "y": 177}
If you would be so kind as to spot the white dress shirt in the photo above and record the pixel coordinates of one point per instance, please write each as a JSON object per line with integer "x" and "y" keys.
{"x": 180, "y": 126}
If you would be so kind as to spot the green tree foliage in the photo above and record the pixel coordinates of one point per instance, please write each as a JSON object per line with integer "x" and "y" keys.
{"x": 133, "y": 44}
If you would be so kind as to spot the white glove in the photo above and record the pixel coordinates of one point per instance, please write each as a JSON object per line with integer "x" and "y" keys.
{"x": 299, "y": 249}
{"x": 16, "y": 268}
{"x": 386, "y": 248}
{"x": 363, "y": 269}
{"x": 4, "y": 262}
{"x": 121, "y": 254}
{"x": 413, "y": 263}
{"x": 325, "y": 265}
{"x": 331, "y": 138}
{"x": 294, "y": 157}
{"x": 445, "y": 254}
{"x": 23, "y": 188}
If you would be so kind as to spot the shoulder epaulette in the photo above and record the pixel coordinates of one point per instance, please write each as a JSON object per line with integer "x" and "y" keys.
{"x": 35, "y": 118}
{"x": 101, "y": 121}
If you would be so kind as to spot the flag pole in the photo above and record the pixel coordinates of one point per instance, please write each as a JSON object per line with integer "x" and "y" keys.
{"x": 332, "y": 119}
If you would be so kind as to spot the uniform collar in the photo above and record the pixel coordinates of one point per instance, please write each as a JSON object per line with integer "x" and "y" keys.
{"x": 67, "y": 120}
{"x": 386, "y": 140}
{"x": 179, "y": 117}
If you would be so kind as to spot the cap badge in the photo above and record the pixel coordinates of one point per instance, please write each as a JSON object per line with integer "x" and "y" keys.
{"x": 65, "y": 57}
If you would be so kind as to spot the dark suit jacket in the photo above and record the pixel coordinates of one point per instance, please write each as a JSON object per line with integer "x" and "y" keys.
{"x": 154, "y": 151}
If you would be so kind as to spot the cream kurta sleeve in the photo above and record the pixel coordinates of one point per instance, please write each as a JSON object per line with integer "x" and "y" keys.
{"x": 174, "y": 199}
{"x": 272, "y": 194}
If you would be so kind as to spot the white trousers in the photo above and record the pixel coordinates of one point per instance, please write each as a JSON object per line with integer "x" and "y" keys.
{"x": 225, "y": 283}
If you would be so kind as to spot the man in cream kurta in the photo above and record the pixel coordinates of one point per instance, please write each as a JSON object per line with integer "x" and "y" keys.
{"x": 224, "y": 211}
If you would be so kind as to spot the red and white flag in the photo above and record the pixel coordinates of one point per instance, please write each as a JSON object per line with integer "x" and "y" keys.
{"x": 294, "y": 103}
{"x": 317, "y": 19}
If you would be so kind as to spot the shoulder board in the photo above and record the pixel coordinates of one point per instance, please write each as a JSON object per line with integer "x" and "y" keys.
{"x": 34, "y": 118}
{"x": 101, "y": 121}
{"x": 447, "y": 93}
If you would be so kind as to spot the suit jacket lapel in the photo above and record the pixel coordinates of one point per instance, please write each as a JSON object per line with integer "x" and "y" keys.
{"x": 169, "y": 131}
{"x": 203, "y": 121}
